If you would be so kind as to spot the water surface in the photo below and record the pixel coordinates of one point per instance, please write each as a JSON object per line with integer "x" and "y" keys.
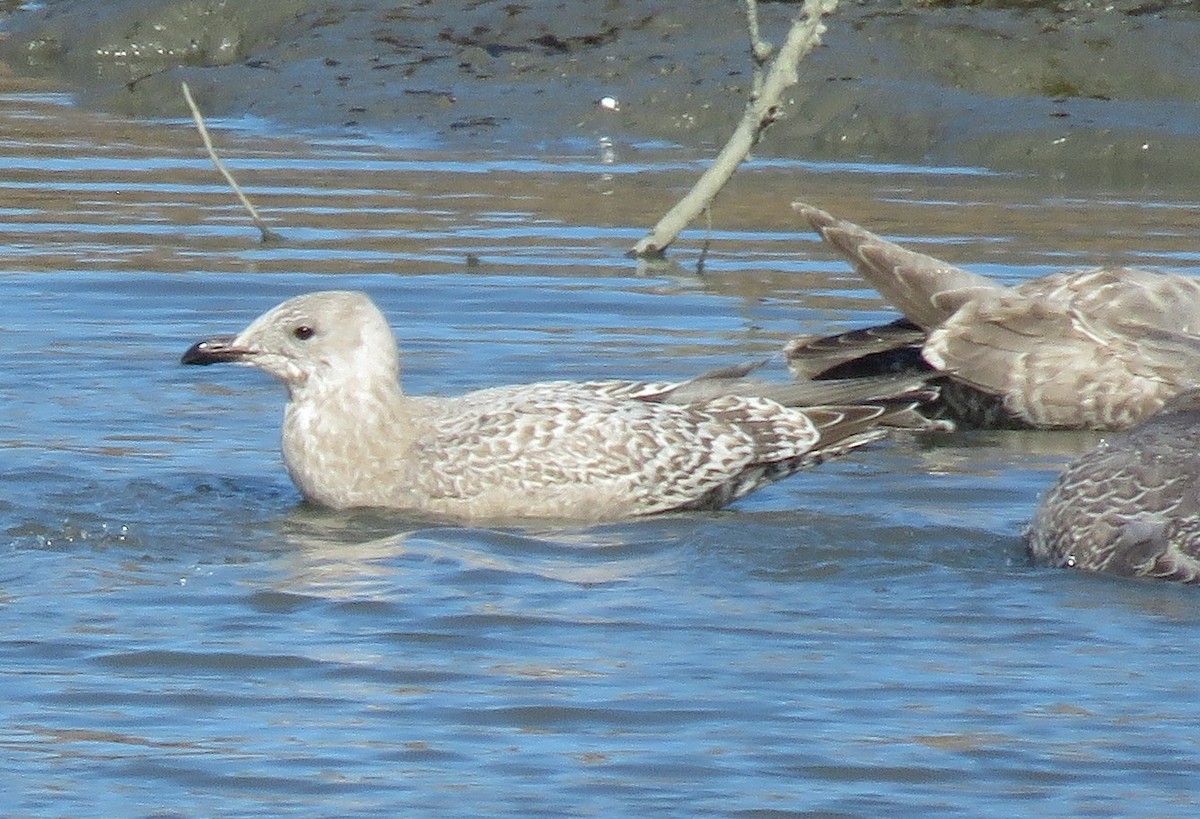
{"x": 182, "y": 638}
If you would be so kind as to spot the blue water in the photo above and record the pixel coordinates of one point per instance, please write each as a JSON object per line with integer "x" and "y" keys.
{"x": 181, "y": 638}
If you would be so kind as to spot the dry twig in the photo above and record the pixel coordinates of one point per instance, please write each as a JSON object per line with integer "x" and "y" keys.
{"x": 760, "y": 49}
{"x": 268, "y": 235}
{"x": 762, "y": 110}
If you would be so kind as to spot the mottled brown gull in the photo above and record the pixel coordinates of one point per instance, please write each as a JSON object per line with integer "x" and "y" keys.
{"x": 578, "y": 450}
{"x": 1132, "y": 505}
{"x": 1100, "y": 348}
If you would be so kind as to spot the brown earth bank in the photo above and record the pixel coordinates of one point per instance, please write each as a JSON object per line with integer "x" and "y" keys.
{"x": 1102, "y": 93}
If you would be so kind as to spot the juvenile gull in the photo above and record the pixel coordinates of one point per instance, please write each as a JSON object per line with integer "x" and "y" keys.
{"x": 1132, "y": 505}
{"x": 578, "y": 450}
{"x": 1100, "y": 348}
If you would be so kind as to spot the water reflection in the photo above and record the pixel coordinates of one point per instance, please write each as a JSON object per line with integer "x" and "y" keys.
{"x": 327, "y": 555}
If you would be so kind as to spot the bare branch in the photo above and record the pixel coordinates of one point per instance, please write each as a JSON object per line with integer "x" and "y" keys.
{"x": 803, "y": 36}
{"x": 268, "y": 235}
{"x": 760, "y": 49}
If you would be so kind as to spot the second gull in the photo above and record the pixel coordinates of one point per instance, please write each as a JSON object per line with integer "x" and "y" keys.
{"x": 1099, "y": 348}
{"x": 1131, "y": 506}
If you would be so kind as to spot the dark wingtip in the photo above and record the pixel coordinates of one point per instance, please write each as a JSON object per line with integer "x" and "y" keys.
{"x": 212, "y": 351}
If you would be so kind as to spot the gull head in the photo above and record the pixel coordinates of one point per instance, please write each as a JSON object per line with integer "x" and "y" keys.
{"x": 325, "y": 340}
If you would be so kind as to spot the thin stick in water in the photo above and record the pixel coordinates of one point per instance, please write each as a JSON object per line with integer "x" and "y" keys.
{"x": 268, "y": 235}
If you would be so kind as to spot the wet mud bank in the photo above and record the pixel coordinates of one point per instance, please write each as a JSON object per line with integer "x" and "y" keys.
{"x": 1101, "y": 93}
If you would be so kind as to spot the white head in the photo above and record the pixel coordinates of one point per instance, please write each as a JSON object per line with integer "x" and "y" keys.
{"x": 318, "y": 341}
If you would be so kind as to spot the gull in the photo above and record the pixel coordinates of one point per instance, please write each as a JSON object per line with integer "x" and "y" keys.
{"x": 1132, "y": 505}
{"x": 559, "y": 449}
{"x": 1100, "y": 348}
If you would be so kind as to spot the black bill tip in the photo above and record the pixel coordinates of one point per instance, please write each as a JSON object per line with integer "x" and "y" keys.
{"x": 213, "y": 351}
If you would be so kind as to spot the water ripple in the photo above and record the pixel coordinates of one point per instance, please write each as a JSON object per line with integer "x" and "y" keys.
{"x": 184, "y": 638}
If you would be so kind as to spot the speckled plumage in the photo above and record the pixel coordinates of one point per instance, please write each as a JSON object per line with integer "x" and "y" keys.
{"x": 579, "y": 450}
{"x": 1132, "y": 505}
{"x": 1088, "y": 349}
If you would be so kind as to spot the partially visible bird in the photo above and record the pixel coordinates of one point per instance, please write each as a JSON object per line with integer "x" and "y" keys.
{"x": 1101, "y": 348}
{"x": 575, "y": 450}
{"x": 1132, "y": 505}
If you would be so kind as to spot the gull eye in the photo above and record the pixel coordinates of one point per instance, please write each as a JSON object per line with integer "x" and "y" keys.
{"x": 304, "y": 332}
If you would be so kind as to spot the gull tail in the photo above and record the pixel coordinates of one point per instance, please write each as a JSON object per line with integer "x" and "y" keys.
{"x": 925, "y": 289}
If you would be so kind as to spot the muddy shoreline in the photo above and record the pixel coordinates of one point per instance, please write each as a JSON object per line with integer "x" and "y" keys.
{"x": 1103, "y": 94}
